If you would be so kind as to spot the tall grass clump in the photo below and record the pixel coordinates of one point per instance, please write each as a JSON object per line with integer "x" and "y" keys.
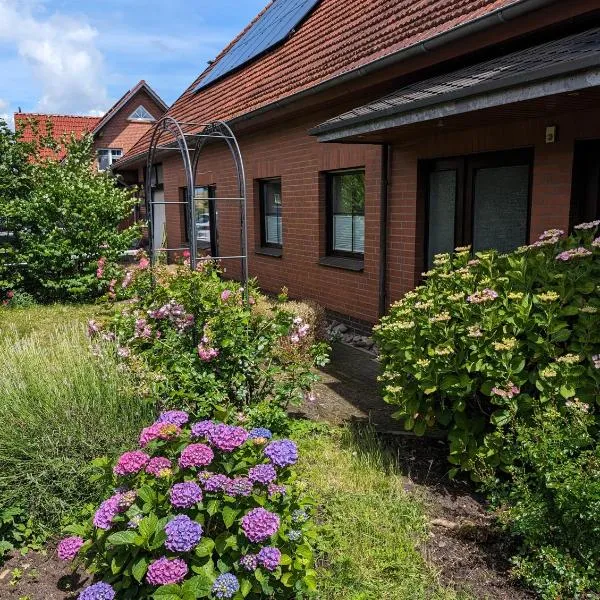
{"x": 60, "y": 407}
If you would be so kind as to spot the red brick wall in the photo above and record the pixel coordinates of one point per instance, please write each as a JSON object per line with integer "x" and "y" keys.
{"x": 121, "y": 133}
{"x": 300, "y": 161}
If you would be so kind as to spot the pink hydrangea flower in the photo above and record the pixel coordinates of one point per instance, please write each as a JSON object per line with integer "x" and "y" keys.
{"x": 260, "y": 524}
{"x": 131, "y": 463}
{"x": 225, "y": 295}
{"x": 144, "y": 263}
{"x": 196, "y": 455}
{"x": 127, "y": 279}
{"x": 68, "y": 548}
{"x": 159, "y": 466}
{"x": 166, "y": 571}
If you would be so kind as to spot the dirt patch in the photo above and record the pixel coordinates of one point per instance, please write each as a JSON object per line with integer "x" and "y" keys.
{"x": 465, "y": 546}
{"x": 39, "y": 576}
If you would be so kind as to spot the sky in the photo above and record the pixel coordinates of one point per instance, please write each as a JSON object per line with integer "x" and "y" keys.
{"x": 80, "y": 56}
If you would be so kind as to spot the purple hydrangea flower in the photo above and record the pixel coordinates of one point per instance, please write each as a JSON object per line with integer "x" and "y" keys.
{"x": 68, "y": 548}
{"x": 264, "y": 474}
{"x": 183, "y": 534}
{"x": 225, "y": 586}
{"x": 276, "y": 490}
{"x": 202, "y": 429}
{"x": 239, "y": 486}
{"x": 249, "y": 562}
{"x": 165, "y": 571}
{"x": 131, "y": 463}
{"x": 186, "y": 494}
{"x": 282, "y": 453}
{"x": 159, "y": 466}
{"x": 227, "y": 437}
{"x": 174, "y": 417}
{"x": 260, "y": 524}
{"x": 98, "y": 591}
{"x": 260, "y": 432}
{"x": 269, "y": 558}
{"x": 107, "y": 511}
{"x": 216, "y": 483}
{"x": 196, "y": 455}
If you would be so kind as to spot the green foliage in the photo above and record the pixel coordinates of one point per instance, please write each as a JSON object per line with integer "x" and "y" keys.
{"x": 122, "y": 555}
{"x": 16, "y": 531}
{"x": 65, "y": 216}
{"x": 485, "y": 339}
{"x": 552, "y": 498}
{"x": 209, "y": 351}
{"x": 53, "y": 389}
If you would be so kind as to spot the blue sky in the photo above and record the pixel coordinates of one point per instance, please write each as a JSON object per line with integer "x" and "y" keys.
{"x": 79, "y": 56}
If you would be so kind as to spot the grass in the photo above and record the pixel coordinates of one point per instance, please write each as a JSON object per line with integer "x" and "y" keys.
{"x": 371, "y": 525}
{"x": 60, "y": 408}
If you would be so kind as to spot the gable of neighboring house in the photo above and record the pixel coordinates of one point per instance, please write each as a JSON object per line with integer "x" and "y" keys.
{"x": 114, "y": 134}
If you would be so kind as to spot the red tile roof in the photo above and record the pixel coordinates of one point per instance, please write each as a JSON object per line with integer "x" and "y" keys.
{"x": 61, "y": 126}
{"x": 338, "y": 36}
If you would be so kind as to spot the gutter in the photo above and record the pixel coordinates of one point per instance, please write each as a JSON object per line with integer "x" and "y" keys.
{"x": 386, "y": 164}
{"x": 497, "y": 17}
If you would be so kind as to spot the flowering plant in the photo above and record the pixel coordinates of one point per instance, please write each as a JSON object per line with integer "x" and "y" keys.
{"x": 207, "y": 348}
{"x": 487, "y": 336}
{"x": 201, "y": 510}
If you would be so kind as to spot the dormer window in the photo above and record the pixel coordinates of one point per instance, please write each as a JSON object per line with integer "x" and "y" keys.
{"x": 141, "y": 114}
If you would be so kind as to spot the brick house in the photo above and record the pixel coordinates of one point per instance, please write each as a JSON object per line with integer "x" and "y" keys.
{"x": 115, "y": 133}
{"x": 378, "y": 133}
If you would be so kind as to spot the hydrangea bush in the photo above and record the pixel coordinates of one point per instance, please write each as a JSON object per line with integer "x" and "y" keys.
{"x": 489, "y": 336}
{"x": 199, "y": 510}
{"x": 209, "y": 350}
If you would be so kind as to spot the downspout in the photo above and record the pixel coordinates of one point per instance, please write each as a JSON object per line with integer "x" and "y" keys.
{"x": 386, "y": 163}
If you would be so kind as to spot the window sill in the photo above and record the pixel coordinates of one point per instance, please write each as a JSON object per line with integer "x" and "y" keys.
{"x": 274, "y": 252}
{"x": 340, "y": 262}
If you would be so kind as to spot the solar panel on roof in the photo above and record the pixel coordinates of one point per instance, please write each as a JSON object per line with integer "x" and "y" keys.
{"x": 272, "y": 28}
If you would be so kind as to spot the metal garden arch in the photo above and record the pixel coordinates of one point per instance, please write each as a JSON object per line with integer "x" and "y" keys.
{"x": 189, "y": 139}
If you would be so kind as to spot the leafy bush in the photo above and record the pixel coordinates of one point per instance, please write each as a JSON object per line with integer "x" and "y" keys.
{"x": 65, "y": 217}
{"x": 209, "y": 351}
{"x": 552, "y": 498}
{"x": 485, "y": 338}
{"x": 53, "y": 388}
{"x": 207, "y": 510}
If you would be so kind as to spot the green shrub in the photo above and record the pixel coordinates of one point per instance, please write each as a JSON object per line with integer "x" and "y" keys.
{"x": 551, "y": 499}
{"x": 60, "y": 407}
{"x": 209, "y": 352}
{"x": 486, "y": 337}
{"x": 66, "y": 220}
{"x": 199, "y": 506}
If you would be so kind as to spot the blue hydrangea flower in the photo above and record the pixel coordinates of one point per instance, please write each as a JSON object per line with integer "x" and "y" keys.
{"x": 294, "y": 535}
{"x": 226, "y": 586}
{"x": 98, "y": 591}
{"x": 183, "y": 534}
{"x": 282, "y": 453}
{"x": 260, "y": 432}
{"x": 299, "y": 516}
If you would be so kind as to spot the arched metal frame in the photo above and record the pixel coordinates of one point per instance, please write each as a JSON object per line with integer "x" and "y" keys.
{"x": 170, "y": 135}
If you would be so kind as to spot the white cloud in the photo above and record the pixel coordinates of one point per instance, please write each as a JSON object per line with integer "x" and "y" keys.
{"x": 61, "y": 52}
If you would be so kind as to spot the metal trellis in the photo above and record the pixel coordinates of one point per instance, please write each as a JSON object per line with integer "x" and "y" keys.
{"x": 189, "y": 139}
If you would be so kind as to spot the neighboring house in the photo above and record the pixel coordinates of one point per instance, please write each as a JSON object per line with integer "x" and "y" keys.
{"x": 378, "y": 133}
{"x": 114, "y": 134}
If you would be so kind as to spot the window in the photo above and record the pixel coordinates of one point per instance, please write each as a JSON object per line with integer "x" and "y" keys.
{"x": 346, "y": 213}
{"x": 480, "y": 200}
{"x": 107, "y": 156}
{"x": 141, "y": 114}
{"x": 585, "y": 204}
{"x": 270, "y": 213}
{"x": 206, "y": 217}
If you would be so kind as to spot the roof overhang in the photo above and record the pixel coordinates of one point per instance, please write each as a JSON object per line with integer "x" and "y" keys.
{"x": 568, "y": 65}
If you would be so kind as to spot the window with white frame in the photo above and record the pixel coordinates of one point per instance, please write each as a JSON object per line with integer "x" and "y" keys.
{"x": 107, "y": 156}
{"x": 141, "y": 113}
